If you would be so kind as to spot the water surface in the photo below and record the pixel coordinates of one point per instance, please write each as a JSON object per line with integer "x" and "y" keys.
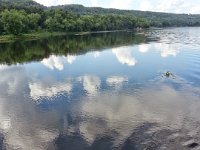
{"x": 102, "y": 91}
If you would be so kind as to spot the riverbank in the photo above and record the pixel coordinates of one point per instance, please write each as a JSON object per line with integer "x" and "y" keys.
{"x": 40, "y": 35}
{"x": 29, "y": 36}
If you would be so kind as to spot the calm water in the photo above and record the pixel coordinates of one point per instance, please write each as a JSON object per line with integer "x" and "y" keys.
{"x": 102, "y": 91}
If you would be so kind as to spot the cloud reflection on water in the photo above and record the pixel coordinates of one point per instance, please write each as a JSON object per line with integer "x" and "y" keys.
{"x": 103, "y": 115}
{"x": 21, "y": 123}
{"x": 109, "y": 108}
{"x": 116, "y": 81}
{"x": 41, "y": 89}
{"x": 165, "y": 50}
{"x": 57, "y": 62}
{"x": 124, "y": 56}
{"x": 122, "y": 114}
{"x": 143, "y": 48}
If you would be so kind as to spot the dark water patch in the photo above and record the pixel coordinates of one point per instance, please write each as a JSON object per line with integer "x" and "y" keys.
{"x": 74, "y": 142}
{"x": 193, "y": 145}
{"x": 2, "y": 144}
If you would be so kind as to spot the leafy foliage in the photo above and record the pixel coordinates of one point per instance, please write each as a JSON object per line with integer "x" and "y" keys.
{"x": 157, "y": 19}
{"x": 19, "y": 21}
{"x": 25, "y": 16}
{"x": 14, "y": 22}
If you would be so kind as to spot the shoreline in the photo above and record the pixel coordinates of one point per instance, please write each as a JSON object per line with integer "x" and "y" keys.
{"x": 29, "y": 36}
{"x": 41, "y": 35}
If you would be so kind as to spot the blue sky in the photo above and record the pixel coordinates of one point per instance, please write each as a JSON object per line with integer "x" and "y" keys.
{"x": 174, "y": 6}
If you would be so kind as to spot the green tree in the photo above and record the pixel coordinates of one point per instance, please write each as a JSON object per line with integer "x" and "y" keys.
{"x": 1, "y": 27}
{"x": 33, "y": 21}
{"x": 54, "y": 21}
{"x": 13, "y": 21}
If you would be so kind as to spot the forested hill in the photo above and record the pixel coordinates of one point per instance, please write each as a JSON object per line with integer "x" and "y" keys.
{"x": 27, "y": 16}
{"x": 19, "y": 3}
{"x": 28, "y": 5}
{"x": 159, "y": 18}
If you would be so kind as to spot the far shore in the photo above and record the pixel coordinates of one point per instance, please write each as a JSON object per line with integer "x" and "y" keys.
{"x": 41, "y": 35}
{"x": 29, "y": 36}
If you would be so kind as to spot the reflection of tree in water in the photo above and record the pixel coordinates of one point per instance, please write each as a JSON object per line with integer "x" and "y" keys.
{"x": 26, "y": 51}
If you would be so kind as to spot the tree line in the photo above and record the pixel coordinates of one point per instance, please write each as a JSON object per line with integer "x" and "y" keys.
{"x": 157, "y": 19}
{"x": 26, "y": 16}
{"x": 19, "y": 21}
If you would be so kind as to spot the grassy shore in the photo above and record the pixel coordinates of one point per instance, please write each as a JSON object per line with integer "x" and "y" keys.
{"x": 30, "y": 36}
{"x": 40, "y": 35}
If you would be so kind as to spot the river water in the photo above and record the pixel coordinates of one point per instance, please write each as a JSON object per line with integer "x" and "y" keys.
{"x": 102, "y": 91}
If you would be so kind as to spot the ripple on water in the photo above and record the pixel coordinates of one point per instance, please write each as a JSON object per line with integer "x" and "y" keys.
{"x": 191, "y": 63}
{"x": 139, "y": 109}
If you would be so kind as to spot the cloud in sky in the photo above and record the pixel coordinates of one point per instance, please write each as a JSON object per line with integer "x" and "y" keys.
{"x": 174, "y": 6}
{"x": 145, "y": 5}
{"x": 54, "y": 2}
{"x": 119, "y": 4}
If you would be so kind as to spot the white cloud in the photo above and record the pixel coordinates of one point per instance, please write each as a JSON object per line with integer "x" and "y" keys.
{"x": 124, "y": 56}
{"x": 57, "y": 62}
{"x": 120, "y": 4}
{"x": 17, "y": 115}
{"x": 145, "y": 5}
{"x": 167, "y": 50}
{"x": 46, "y": 136}
{"x": 53, "y": 62}
{"x": 119, "y": 111}
{"x": 168, "y": 5}
{"x": 42, "y": 89}
{"x": 70, "y": 59}
{"x": 96, "y": 54}
{"x": 194, "y": 10}
{"x": 2, "y": 67}
{"x": 54, "y": 2}
{"x": 11, "y": 84}
{"x": 143, "y": 48}
{"x": 177, "y": 6}
{"x": 94, "y": 2}
{"x": 116, "y": 80}
{"x": 174, "y": 6}
{"x": 91, "y": 84}
{"x": 5, "y": 124}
